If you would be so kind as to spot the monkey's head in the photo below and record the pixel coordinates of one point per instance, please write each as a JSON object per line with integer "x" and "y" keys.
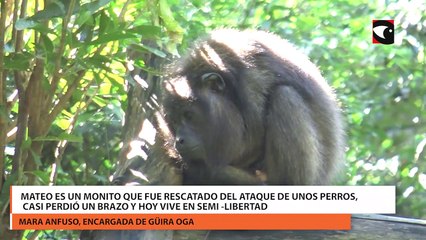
{"x": 206, "y": 106}
{"x": 203, "y": 117}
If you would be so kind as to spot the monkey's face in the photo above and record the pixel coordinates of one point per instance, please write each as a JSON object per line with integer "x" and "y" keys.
{"x": 186, "y": 118}
{"x": 207, "y": 126}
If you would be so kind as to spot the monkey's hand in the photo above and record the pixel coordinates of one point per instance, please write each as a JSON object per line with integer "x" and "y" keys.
{"x": 230, "y": 175}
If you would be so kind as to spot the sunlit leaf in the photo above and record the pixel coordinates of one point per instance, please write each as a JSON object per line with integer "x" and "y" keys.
{"x": 176, "y": 31}
{"x": 61, "y": 137}
{"x": 115, "y": 36}
{"x": 387, "y": 143}
{"x": 144, "y": 48}
{"x": 147, "y": 31}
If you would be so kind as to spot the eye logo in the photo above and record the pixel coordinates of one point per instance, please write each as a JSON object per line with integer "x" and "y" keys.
{"x": 383, "y": 32}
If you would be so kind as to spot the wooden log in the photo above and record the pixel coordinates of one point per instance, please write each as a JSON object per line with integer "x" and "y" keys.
{"x": 364, "y": 226}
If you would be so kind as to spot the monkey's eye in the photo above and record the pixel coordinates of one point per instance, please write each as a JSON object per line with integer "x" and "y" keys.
{"x": 213, "y": 81}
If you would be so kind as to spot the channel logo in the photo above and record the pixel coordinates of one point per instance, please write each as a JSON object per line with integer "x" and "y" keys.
{"x": 383, "y": 32}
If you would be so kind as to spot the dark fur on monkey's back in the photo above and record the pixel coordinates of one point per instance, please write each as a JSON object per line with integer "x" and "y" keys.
{"x": 275, "y": 113}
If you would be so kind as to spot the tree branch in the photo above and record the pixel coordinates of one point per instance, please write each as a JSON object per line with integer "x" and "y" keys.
{"x": 63, "y": 101}
{"x": 3, "y": 112}
{"x": 60, "y": 52}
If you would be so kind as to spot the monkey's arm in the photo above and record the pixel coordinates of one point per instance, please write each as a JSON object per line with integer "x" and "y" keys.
{"x": 292, "y": 153}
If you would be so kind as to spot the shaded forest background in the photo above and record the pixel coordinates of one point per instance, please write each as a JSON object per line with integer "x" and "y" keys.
{"x": 78, "y": 79}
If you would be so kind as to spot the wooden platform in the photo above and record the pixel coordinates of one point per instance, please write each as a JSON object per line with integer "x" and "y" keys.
{"x": 364, "y": 227}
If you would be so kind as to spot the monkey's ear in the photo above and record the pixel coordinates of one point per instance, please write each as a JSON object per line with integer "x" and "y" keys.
{"x": 213, "y": 81}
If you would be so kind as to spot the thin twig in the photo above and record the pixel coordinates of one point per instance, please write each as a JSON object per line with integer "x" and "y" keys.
{"x": 61, "y": 146}
{"x": 60, "y": 52}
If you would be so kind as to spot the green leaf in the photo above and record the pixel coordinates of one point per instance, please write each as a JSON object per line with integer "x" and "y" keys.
{"x": 108, "y": 164}
{"x": 61, "y": 137}
{"x": 144, "y": 48}
{"x": 172, "y": 26}
{"x": 97, "y": 61}
{"x": 36, "y": 158}
{"x": 105, "y": 23}
{"x": 47, "y": 43}
{"x": 28, "y": 23}
{"x": 18, "y": 61}
{"x": 26, "y": 144}
{"x": 115, "y": 36}
{"x": 387, "y": 143}
{"x": 43, "y": 176}
{"x": 94, "y": 6}
{"x": 5, "y": 191}
{"x": 59, "y": 8}
{"x": 100, "y": 101}
{"x": 85, "y": 17}
{"x": 147, "y": 31}
{"x": 25, "y": 23}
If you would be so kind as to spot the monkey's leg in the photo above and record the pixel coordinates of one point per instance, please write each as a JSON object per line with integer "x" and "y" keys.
{"x": 291, "y": 143}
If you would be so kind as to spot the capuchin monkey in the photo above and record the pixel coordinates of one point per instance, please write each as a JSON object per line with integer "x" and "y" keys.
{"x": 246, "y": 107}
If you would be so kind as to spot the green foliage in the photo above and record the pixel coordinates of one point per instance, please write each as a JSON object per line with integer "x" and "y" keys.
{"x": 381, "y": 87}
{"x": 81, "y": 69}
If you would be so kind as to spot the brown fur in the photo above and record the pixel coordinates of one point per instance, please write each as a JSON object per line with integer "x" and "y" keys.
{"x": 268, "y": 116}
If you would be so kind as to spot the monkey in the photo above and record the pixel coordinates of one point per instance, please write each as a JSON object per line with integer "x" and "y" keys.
{"x": 242, "y": 108}
{"x": 247, "y": 107}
